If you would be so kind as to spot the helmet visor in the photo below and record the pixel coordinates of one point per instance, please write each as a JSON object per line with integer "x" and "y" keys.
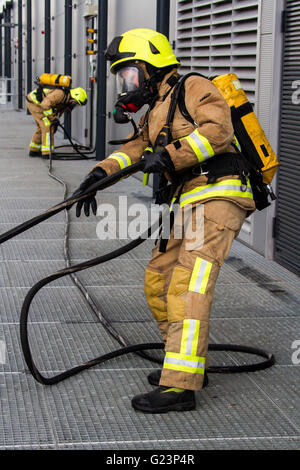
{"x": 129, "y": 78}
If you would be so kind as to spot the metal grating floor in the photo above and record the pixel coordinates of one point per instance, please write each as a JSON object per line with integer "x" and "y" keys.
{"x": 256, "y": 303}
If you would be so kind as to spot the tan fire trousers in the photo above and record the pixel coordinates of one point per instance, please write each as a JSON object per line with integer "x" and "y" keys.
{"x": 179, "y": 287}
{"x": 43, "y": 135}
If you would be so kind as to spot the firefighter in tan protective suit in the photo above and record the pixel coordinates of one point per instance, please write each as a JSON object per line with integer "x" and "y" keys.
{"x": 181, "y": 277}
{"x": 46, "y": 106}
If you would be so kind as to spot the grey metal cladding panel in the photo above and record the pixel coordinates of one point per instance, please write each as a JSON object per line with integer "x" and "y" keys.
{"x": 265, "y": 83}
{"x": 267, "y": 16}
{"x": 287, "y": 241}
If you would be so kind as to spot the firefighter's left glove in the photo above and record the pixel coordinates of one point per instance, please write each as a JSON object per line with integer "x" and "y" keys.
{"x": 89, "y": 203}
{"x": 157, "y": 162}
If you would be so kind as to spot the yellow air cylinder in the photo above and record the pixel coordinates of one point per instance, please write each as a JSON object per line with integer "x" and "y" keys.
{"x": 54, "y": 79}
{"x": 250, "y": 135}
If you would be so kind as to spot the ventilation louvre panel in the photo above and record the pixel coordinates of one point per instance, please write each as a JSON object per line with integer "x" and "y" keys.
{"x": 219, "y": 37}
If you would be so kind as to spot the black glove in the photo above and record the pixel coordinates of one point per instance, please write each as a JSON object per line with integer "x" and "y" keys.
{"x": 158, "y": 162}
{"x": 55, "y": 124}
{"x": 71, "y": 106}
{"x": 89, "y": 202}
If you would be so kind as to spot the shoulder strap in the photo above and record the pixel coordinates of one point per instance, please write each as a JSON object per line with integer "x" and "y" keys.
{"x": 165, "y": 135}
{"x": 178, "y": 97}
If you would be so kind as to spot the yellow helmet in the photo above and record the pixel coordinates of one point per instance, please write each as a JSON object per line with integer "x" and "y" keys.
{"x": 141, "y": 44}
{"x": 79, "y": 95}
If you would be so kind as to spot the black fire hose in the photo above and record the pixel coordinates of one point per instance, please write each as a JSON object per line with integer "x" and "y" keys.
{"x": 82, "y": 152}
{"x": 269, "y": 358}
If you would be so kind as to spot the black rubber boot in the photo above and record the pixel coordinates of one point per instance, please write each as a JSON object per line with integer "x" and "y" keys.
{"x": 164, "y": 399}
{"x": 154, "y": 378}
{"x": 32, "y": 153}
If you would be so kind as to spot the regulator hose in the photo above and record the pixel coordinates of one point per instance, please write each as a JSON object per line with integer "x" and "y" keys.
{"x": 79, "y": 155}
{"x": 66, "y": 204}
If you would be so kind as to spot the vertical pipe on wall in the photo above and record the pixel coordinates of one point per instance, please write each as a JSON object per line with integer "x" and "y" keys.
{"x": 101, "y": 81}
{"x": 20, "y": 54}
{"x": 163, "y": 16}
{"x": 5, "y": 41}
{"x": 29, "y": 46}
{"x": 68, "y": 56}
{"x": 7, "y": 19}
{"x": 162, "y": 26}
{"x": 8, "y": 48}
{"x": 47, "y": 66}
{"x": 1, "y": 45}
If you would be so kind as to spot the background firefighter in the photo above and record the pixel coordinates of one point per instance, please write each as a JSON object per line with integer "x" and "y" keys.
{"x": 46, "y": 105}
{"x": 179, "y": 281}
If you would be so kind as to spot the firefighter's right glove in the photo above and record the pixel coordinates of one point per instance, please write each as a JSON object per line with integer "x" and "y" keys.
{"x": 157, "y": 162}
{"x": 89, "y": 202}
{"x": 55, "y": 124}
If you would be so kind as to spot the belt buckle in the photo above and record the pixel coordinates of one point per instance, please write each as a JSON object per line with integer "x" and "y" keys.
{"x": 245, "y": 174}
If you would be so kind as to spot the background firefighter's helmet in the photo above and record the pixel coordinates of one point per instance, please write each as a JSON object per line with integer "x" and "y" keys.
{"x": 79, "y": 95}
{"x": 141, "y": 44}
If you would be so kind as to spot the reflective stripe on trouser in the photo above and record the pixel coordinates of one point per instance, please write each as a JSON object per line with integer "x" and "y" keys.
{"x": 46, "y": 143}
{"x": 42, "y": 133}
{"x": 46, "y": 140}
{"x": 35, "y": 147}
{"x": 36, "y": 141}
{"x": 179, "y": 286}
{"x": 48, "y": 112}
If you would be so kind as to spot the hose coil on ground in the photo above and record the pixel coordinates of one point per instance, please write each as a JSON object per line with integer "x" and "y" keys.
{"x": 268, "y": 361}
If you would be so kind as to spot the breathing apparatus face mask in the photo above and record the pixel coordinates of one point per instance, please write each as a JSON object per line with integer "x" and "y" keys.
{"x": 72, "y": 104}
{"x": 133, "y": 92}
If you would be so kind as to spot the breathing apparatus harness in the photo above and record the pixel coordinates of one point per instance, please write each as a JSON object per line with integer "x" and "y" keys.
{"x": 40, "y": 94}
{"x": 245, "y": 162}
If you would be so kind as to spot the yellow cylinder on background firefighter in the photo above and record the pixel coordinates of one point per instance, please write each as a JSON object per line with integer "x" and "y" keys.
{"x": 46, "y": 105}
{"x": 200, "y": 154}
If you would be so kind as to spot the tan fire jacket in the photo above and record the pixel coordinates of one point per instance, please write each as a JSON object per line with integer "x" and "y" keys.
{"x": 211, "y": 134}
{"x": 54, "y": 103}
